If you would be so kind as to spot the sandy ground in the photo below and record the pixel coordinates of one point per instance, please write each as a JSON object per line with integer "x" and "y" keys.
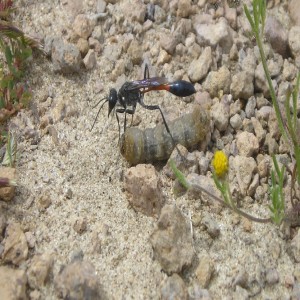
{"x": 89, "y": 165}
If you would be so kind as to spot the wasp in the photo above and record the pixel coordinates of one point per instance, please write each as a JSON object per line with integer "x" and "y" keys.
{"x": 154, "y": 144}
{"x": 132, "y": 93}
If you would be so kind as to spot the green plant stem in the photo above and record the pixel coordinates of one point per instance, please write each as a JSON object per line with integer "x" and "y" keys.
{"x": 234, "y": 208}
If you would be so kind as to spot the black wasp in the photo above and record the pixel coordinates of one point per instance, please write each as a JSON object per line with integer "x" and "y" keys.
{"x": 132, "y": 92}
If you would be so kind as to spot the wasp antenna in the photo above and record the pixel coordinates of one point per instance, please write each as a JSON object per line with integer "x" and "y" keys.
{"x": 99, "y": 102}
{"x": 98, "y": 110}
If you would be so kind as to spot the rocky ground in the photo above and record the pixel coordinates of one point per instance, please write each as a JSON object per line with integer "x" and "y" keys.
{"x": 82, "y": 224}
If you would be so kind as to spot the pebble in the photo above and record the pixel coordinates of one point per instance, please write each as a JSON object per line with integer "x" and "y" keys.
{"x": 247, "y": 144}
{"x": 7, "y": 193}
{"x": 242, "y": 85}
{"x": 244, "y": 168}
{"x": 211, "y": 226}
{"x": 173, "y": 288}
{"x": 204, "y": 271}
{"x": 250, "y": 107}
{"x": 260, "y": 133}
{"x": 184, "y": 8}
{"x": 12, "y": 283}
{"x": 294, "y": 40}
{"x": 83, "y": 26}
{"x": 83, "y": 46}
{"x": 294, "y": 11}
{"x": 100, "y": 6}
{"x": 144, "y": 189}
{"x": 261, "y": 83}
{"x": 214, "y": 34}
{"x": 236, "y": 122}
{"x": 44, "y": 201}
{"x": 272, "y": 276}
{"x": 39, "y": 270}
{"x": 276, "y": 35}
{"x": 135, "y": 52}
{"x": 31, "y": 239}
{"x": 78, "y": 280}
{"x": 195, "y": 292}
{"x": 90, "y": 60}
{"x": 15, "y": 245}
{"x": 199, "y": 68}
{"x": 169, "y": 42}
{"x": 217, "y": 81}
{"x": 95, "y": 45}
{"x": 271, "y": 146}
{"x": 220, "y": 115}
{"x": 80, "y": 225}
{"x": 289, "y": 70}
{"x": 294, "y": 248}
{"x": 172, "y": 240}
{"x": 241, "y": 279}
{"x": 66, "y": 57}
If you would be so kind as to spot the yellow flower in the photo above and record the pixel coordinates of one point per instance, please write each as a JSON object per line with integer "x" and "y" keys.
{"x": 220, "y": 163}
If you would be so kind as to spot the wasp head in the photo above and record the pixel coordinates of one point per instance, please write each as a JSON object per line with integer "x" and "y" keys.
{"x": 112, "y": 100}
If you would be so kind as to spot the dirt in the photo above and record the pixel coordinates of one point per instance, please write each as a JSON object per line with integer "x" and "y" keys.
{"x": 82, "y": 170}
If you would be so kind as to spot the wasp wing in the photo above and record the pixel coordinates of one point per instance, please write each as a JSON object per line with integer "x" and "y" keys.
{"x": 148, "y": 84}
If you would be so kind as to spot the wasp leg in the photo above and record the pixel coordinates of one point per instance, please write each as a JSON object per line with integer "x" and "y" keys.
{"x": 155, "y": 107}
{"x": 146, "y": 72}
{"x": 126, "y": 111}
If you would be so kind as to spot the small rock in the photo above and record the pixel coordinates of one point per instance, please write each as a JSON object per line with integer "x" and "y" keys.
{"x": 294, "y": 41}
{"x": 217, "y": 81}
{"x": 169, "y": 42}
{"x": 276, "y": 35}
{"x": 271, "y": 145}
{"x": 272, "y": 276}
{"x": 163, "y": 57}
{"x": 200, "y": 67}
{"x": 241, "y": 279}
{"x": 197, "y": 293}
{"x": 214, "y": 34}
{"x": 296, "y": 291}
{"x": 173, "y": 288}
{"x": 12, "y": 283}
{"x": 160, "y": 15}
{"x": 211, "y": 225}
{"x": 244, "y": 168}
{"x": 35, "y": 295}
{"x": 80, "y": 225}
{"x": 135, "y": 52}
{"x": 100, "y": 6}
{"x": 83, "y": 46}
{"x": 144, "y": 189}
{"x": 95, "y": 45}
{"x": 240, "y": 294}
{"x": 39, "y": 270}
{"x": 220, "y": 113}
{"x": 289, "y": 70}
{"x": 44, "y": 201}
{"x": 250, "y": 107}
{"x": 242, "y": 85}
{"x": 15, "y": 245}
{"x": 253, "y": 186}
{"x": 90, "y": 60}
{"x": 273, "y": 126}
{"x": 83, "y": 26}
{"x": 31, "y": 240}
{"x": 236, "y": 122}
{"x": 66, "y": 57}
{"x": 260, "y": 133}
{"x": 184, "y": 8}
{"x": 78, "y": 280}
{"x": 7, "y": 193}
{"x": 172, "y": 241}
{"x": 204, "y": 271}
{"x": 294, "y": 11}
{"x": 247, "y": 144}
{"x": 295, "y": 247}
{"x": 261, "y": 83}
